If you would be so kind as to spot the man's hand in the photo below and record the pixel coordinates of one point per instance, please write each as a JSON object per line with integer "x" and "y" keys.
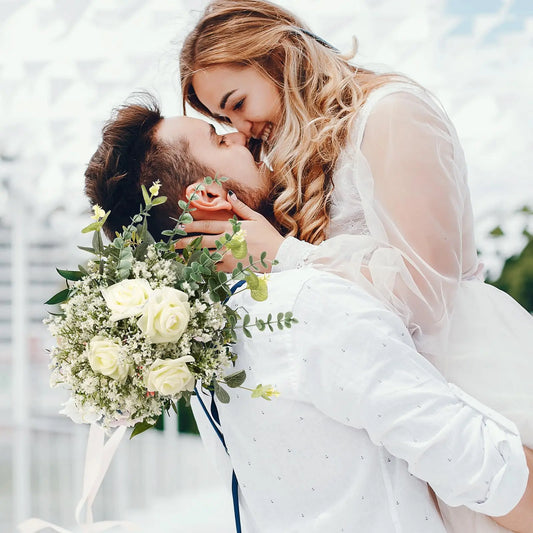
{"x": 261, "y": 236}
{"x": 520, "y": 519}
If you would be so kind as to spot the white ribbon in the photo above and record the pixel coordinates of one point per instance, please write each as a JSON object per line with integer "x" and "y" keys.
{"x": 97, "y": 460}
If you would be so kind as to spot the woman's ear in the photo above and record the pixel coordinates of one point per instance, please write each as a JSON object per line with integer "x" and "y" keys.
{"x": 212, "y": 197}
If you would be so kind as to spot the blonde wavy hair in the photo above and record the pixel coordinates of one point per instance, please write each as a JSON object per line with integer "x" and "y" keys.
{"x": 321, "y": 94}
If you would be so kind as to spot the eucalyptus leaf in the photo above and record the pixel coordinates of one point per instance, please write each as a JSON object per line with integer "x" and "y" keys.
{"x": 186, "y": 218}
{"x": 140, "y": 251}
{"x": 146, "y": 196}
{"x": 220, "y": 393}
{"x": 98, "y": 244}
{"x": 236, "y": 379}
{"x": 159, "y": 200}
{"x": 91, "y": 227}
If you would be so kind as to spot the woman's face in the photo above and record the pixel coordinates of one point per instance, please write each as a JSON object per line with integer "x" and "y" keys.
{"x": 241, "y": 96}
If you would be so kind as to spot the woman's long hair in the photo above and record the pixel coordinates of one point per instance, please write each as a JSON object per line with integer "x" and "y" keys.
{"x": 321, "y": 93}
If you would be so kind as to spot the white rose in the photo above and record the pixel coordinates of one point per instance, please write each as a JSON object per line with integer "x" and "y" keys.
{"x": 165, "y": 315}
{"x": 170, "y": 376}
{"x": 106, "y": 356}
{"x": 126, "y": 298}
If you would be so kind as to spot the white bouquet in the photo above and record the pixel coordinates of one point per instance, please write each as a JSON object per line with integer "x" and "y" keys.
{"x": 140, "y": 325}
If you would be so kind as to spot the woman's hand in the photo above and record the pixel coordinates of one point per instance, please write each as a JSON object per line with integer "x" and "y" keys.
{"x": 261, "y": 236}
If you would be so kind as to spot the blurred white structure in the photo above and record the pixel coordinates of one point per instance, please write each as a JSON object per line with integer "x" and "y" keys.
{"x": 63, "y": 66}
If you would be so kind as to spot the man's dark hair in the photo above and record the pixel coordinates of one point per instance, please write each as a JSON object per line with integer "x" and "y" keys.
{"x": 130, "y": 155}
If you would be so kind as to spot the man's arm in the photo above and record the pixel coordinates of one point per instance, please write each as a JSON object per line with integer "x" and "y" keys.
{"x": 520, "y": 519}
{"x": 359, "y": 366}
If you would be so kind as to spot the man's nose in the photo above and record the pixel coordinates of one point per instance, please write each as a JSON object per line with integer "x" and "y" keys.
{"x": 236, "y": 138}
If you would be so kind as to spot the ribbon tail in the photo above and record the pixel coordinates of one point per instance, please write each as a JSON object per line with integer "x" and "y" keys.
{"x": 33, "y": 525}
{"x": 97, "y": 461}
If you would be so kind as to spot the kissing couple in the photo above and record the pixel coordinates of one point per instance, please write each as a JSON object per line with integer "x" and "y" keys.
{"x": 406, "y": 397}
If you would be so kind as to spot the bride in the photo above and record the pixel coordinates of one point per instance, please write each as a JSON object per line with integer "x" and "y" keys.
{"x": 370, "y": 182}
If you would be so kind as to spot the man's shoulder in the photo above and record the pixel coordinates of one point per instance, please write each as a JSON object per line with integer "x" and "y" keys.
{"x": 318, "y": 287}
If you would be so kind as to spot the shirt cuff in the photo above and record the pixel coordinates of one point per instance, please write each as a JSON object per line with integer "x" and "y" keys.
{"x": 509, "y": 484}
{"x": 292, "y": 254}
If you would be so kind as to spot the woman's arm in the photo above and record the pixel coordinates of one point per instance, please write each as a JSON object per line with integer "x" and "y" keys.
{"x": 520, "y": 519}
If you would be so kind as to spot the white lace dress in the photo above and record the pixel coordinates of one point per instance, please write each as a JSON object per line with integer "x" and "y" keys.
{"x": 402, "y": 225}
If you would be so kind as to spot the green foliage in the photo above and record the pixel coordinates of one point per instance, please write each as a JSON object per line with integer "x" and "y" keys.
{"x": 516, "y": 277}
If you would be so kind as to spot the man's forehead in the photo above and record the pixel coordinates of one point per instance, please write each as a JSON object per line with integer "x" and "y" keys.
{"x": 179, "y": 127}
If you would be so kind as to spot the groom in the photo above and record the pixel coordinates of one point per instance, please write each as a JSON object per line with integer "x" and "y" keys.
{"x": 363, "y": 421}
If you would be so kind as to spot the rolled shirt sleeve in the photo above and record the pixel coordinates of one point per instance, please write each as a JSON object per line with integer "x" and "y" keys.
{"x": 364, "y": 371}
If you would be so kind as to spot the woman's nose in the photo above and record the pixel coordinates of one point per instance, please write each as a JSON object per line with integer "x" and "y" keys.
{"x": 244, "y": 126}
{"x": 236, "y": 138}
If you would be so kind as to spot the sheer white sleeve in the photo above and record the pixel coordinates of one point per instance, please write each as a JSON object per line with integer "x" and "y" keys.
{"x": 409, "y": 173}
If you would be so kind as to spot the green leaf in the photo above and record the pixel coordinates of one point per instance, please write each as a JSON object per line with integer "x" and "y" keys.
{"x": 259, "y": 292}
{"x": 246, "y": 320}
{"x": 186, "y": 218}
{"x": 220, "y": 393}
{"x": 71, "y": 275}
{"x": 140, "y": 251}
{"x": 58, "y": 298}
{"x": 236, "y": 379}
{"x": 208, "y": 180}
{"x": 247, "y": 332}
{"x": 141, "y": 427}
{"x": 174, "y": 407}
{"x": 159, "y": 200}
{"x": 263, "y": 262}
{"x": 496, "y": 232}
{"x": 91, "y": 227}
{"x": 146, "y": 196}
{"x": 98, "y": 244}
{"x": 125, "y": 262}
{"x": 182, "y": 204}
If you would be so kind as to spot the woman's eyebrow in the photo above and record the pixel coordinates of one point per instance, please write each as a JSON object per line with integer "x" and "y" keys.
{"x": 225, "y": 98}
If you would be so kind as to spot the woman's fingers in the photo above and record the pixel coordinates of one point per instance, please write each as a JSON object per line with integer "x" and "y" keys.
{"x": 209, "y": 227}
{"x": 241, "y": 209}
{"x": 208, "y": 241}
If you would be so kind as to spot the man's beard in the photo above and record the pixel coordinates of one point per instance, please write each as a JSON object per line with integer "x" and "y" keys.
{"x": 259, "y": 200}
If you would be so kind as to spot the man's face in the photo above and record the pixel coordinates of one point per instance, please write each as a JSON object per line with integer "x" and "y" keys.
{"x": 227, "y": 155}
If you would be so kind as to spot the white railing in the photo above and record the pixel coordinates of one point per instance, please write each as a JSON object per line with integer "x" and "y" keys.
{"x": 47, "y": 457}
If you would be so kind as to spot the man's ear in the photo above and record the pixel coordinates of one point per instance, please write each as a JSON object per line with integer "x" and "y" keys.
{"x": 211, "y": 198}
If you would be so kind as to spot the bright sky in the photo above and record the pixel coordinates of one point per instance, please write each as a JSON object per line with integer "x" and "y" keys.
{"x": 64, "y": 65}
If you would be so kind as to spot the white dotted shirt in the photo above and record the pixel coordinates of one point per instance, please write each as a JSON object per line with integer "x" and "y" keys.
{"x": 362, "y": 422}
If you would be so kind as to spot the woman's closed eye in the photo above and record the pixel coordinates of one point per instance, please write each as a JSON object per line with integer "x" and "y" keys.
{"x": 239, "y": 104}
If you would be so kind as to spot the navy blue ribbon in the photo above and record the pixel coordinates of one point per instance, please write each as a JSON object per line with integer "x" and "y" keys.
{"x": 234, "y": 482}
{"x": 214, "y": 419}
